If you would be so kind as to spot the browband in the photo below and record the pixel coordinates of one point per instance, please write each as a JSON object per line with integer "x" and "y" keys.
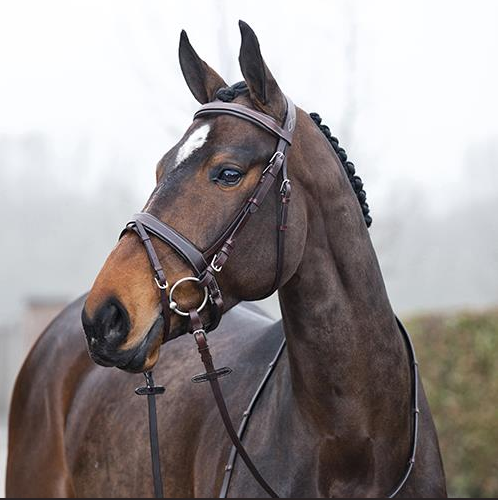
{"x": 256, "y": 117}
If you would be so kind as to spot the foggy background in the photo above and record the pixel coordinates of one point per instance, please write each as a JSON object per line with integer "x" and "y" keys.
{"x": 91, "y": 97}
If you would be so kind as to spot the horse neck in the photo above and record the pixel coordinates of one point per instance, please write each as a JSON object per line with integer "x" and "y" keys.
{"x": 348, "y": 363}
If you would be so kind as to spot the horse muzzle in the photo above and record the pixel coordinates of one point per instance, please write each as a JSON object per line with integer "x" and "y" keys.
{"x": 107, "y": 335}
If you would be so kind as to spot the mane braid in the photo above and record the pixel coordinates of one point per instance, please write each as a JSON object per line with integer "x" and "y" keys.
{"x": 355, "y": 180}
{"x": 228, "y": 94}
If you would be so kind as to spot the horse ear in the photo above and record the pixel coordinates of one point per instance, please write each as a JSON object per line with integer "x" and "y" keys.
{"x": 263, "y": 89}
{"x": 201, "y": 79}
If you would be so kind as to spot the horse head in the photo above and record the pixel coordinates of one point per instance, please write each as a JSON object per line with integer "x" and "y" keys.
{"x": 202, "y": 182}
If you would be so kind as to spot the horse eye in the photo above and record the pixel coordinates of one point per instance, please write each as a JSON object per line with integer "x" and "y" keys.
{"x": 229, "y": 177}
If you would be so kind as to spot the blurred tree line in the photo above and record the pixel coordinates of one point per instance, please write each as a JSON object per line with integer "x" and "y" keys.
{"x": 62, "y": 223}
{"x": 66, "y": 213}
{"x": 446, "y": 259}
{"x": 457, "y": 355}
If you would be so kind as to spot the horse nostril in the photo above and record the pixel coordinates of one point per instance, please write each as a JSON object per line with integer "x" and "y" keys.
{"x": 113, "y": 319}
{"x": 110, "y": 324}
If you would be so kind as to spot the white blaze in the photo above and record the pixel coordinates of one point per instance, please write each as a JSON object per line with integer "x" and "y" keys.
{"x": 196, "y": 140}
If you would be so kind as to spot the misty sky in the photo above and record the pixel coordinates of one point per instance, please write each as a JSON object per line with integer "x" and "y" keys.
{"x": 409, "y": 85}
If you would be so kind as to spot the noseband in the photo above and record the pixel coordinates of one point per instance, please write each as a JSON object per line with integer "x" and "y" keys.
{"x": 205, "y": 265}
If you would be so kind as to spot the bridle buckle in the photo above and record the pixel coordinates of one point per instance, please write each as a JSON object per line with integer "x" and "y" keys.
{"x": 216, "y": 268}
{"x": 277, "y": 154}
{"x": 199, "y": 331}
{"x": 273, "y": 159}
{"x": 284, "y": 187}
{"x": 163, "y": 286}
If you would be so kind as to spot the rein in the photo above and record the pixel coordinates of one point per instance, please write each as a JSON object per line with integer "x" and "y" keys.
{"x": 205, "y": 266}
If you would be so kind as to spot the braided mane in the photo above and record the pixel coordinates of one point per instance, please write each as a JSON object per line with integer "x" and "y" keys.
{"x": 228, "y": 94}
{"x": 355, "y": 180}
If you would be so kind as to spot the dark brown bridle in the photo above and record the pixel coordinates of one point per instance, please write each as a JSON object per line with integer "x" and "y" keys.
{"x": 205, "y": 265}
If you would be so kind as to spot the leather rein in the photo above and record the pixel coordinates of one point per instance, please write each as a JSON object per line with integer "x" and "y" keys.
{"x": 205, "y": 266}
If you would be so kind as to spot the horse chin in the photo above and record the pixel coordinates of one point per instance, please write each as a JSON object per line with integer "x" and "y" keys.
{"x": 146, "y": 355}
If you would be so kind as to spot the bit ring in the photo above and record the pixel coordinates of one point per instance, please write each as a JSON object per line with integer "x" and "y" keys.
{"x": 174, "y": 305}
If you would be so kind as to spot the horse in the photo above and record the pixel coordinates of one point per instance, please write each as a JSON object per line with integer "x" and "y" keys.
{"x": 335, "y": 419}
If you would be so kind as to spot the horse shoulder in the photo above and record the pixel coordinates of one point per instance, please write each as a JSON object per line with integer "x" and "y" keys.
{"x": 41, "y": 400}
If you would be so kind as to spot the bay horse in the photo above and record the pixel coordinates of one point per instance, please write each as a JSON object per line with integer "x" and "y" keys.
{"x": 335, "y": 419}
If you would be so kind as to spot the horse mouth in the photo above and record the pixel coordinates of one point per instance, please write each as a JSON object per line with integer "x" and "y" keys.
{"x": 135, "y": 360}
{"x": 142, "y": 357}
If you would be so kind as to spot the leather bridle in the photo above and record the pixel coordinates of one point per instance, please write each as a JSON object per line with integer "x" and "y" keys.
{"x": 208, "y": 263}
{"x": 205, "y": 266}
